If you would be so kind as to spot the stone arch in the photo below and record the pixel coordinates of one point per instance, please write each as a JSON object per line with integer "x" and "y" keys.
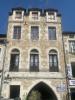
{"x": 47, "y": 93}
{"x": 13, "y": 48}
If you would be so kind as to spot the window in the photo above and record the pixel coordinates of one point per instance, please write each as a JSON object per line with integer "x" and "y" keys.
{"x": 14, "y": 92}
{"x": 52, "y": 33}
{"x": 53, "y": 61}
{"x": 34, "y": 60}
{"x": 72, "y": 93}
{"x": 18, "y": 14}
{"x": 35, "y": 15}
{"x": 72, "y": 46}
{"x": 71, "y": 36}
{"x": 34, "y": 32}
{"x": 73, "y": 68}
{"x": 51, "y": 16}
{"x": 17, "y": 32}
{"x": 14, "y": 61}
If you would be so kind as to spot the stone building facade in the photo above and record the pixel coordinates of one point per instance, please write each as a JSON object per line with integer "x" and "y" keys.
{"x": 69, "y": 48}
{"x": 35, "y": 55}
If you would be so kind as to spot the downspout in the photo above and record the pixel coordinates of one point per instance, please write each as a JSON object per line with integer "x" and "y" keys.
{"x": 68, "y": 98}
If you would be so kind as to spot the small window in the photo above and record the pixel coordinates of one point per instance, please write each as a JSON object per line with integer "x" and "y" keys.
{"x": 52, "y": 33}
{"x": 14, "y": 92}
{"x": 71, "y": 36}
{"x": 51, "y": 16}
{"x": 35, "y": 15}
{"x": 34, "y": 61}
{"x": 34, "y": 32}
{"x": 14, "y": 61}
{"x": 18, "y": 14}
{"x": 53, "y": 61}
{"x": 17, "y": 32}
{"x": 72, "y": 46}
{"x": 73, "y": 68}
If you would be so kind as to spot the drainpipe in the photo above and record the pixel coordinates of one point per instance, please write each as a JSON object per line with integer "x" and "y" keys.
{"x": 68, "y": 97}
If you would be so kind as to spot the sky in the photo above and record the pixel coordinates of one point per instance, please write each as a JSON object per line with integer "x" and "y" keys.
{"x": 65, "y": 7}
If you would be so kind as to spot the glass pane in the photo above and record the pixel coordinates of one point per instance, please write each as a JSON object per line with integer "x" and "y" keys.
{"x": 73, "y": 68}
{"x": 17, "y": 32}
{"x": 36, "y": 60}
{"x": 16, "y": 60}
{"x": 31, "y": 60}
{"x": 52, "y": 33}
{"x": 55, "y": 61}
{"x": 72, "y": 46}
{"x": 34, "y": 32}
{"x": 50, "y": 60}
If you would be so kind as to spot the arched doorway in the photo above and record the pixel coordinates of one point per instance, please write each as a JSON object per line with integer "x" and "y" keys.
{"x": 41, "y": 92}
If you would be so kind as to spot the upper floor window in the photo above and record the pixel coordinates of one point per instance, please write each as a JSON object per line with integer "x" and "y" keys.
{"x": 71, "y": 36}
{"x": 14, "y": 60}
{"x": 53, "y": 61}
{"x": 52, "y": 33}
{"x": 34, "y": 60}
{"x": 72, "y": 46}
{"x": 18, "y": 14}
{"x": 34, "y": 32}
{"x": 73, "y": 68}
{"x": 51, "y": 16}
{"x": 35, "y": 15}
{"x": 17, "y": 32}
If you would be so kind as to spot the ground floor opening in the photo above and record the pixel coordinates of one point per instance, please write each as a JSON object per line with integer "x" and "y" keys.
{"x": 14, "y": 91}
{"x": 73, "y": 94}
{"x": 41, "y": 92}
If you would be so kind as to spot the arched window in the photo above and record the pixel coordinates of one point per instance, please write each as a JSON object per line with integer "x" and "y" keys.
{"x": 14, "y": 60}
{"x": 53, "y": 61}
{"x": 34, "y": 60}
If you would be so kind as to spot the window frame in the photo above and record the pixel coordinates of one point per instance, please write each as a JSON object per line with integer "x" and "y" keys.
{"x": 51, "y": 16}
{"x": 73, "y": 69}
{"x": 71, "y": 35}
{"x": 50, "y": 35}
{"x": 35, "y": 15}
{"x": 53, "y": 65}
{"x": 72, "y": 46}
{"x": 34, "y": 60}
{"x": 18, "y": 14}
{"x": 33, "y": 36}
{"x": 14, "y": 56}
{"x": 16, "y": 33}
